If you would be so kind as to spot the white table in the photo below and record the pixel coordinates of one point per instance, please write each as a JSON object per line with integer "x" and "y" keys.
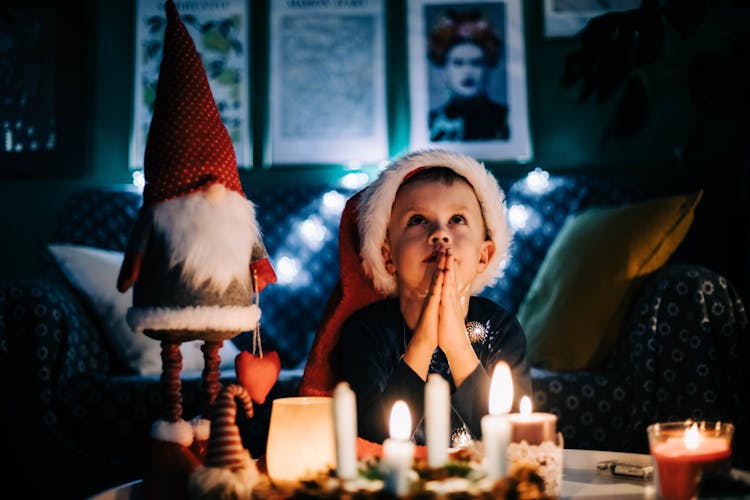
{"x": 580, "y": 479}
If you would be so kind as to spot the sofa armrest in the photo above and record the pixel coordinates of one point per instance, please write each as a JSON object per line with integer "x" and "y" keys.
{"x": 684, "y": 353}
{"x": 48, "y": 333}
{"x": 592, "y": 407}
{"x": 48, "y": 338}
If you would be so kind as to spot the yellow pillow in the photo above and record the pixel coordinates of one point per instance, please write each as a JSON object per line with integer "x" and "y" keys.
{"x": 575, "y": 307}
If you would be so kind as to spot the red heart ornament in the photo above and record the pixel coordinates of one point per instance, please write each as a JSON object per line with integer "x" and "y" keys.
{"x": 257, "y": 374}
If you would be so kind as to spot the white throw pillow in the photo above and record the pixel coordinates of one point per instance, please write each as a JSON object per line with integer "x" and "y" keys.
{"x": 93, "y": 272}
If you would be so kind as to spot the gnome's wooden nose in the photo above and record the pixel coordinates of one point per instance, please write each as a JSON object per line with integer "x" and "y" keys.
{"x": 215, "y": 192}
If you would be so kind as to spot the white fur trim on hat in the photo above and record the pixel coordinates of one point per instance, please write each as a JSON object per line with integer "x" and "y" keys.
{"x": 217, "y": 318}
{"x": 179, "y": 432}
{"x": 201, "y": 428}
{"x": 377, "y": 201}
{"x": 219, "y": 482}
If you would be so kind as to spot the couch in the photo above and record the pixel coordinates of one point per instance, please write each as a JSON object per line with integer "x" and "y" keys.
{"x": 78, "y": 414}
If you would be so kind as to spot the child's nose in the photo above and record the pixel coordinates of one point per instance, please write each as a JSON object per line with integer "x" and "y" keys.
{"x": 440, "y": 235}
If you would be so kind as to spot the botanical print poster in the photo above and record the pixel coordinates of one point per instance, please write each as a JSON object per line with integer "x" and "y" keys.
{"x": 327, "y": 88}
{"x": 467, "y": 77}
{"x": 220, "y": 31}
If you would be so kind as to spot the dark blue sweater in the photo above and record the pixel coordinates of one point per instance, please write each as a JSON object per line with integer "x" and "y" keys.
{"x": 370, "y": 352}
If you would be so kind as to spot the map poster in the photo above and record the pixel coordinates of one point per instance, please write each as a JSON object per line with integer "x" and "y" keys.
{"x": 327, "y": 82}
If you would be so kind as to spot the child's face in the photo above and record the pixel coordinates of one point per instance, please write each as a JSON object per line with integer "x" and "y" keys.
{"x": 427, "y": 215}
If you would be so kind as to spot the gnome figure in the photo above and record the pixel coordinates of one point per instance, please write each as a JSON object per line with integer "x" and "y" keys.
{"x": 195, "y": 257}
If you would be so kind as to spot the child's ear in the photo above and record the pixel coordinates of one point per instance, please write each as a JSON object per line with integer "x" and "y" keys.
{"x": 385, "y": 251}
{"x": 485, "y": 254}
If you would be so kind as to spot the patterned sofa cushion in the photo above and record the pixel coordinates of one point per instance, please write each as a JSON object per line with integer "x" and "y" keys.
{"x": 538, "y": 206}
{"x": 575, "y": 309}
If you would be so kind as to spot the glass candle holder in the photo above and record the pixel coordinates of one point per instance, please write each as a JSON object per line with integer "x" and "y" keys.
{"x": 684, "y": 451}
{"x": 546, "y": 457}
{"x": 301, "y": 442}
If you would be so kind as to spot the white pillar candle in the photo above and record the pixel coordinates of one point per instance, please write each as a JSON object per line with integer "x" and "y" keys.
{"x": 345, "y": 421}
{"x": 437, "y": 419}
{"x": 495, "y": 426}
{"x": 398, "y": 452}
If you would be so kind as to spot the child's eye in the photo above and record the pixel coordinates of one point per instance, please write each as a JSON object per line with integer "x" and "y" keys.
{"x": 458, "y": 219}
{"x": 415, "y": 220}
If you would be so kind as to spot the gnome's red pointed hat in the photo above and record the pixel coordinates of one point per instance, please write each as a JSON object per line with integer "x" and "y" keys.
{"x": 189, "y": 150}
{"x": 188, "y": 146}
{"x": 364, "y": 278}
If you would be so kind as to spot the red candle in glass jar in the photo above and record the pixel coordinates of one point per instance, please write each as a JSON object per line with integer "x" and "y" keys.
{"x": 532, "y": 427}
{"x": 681, "y": 461}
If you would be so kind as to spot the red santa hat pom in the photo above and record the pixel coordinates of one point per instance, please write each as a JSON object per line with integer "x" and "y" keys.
{"x": 188, "y": 146}
{"x": 229, "y": 471}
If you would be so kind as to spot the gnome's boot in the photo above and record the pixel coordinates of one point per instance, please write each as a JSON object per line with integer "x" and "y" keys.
{"x": 167, "y": 469}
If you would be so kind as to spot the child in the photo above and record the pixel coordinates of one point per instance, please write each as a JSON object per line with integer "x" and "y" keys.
{"x": 432, "y": 233}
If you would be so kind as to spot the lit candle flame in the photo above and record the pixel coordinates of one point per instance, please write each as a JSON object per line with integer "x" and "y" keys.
{"x": 692, "y": 437}
{"x": 525, "y": 406}
{"x": 400, "y": 425}
{"x": 501, "y": 389}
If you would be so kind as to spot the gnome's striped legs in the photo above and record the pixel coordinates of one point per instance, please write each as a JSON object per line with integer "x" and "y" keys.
{"x": 211, "y": 374}
{"x": 171, "y": 360}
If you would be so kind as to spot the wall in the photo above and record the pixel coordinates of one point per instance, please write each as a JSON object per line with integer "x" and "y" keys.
{"x": 565, "y": 134}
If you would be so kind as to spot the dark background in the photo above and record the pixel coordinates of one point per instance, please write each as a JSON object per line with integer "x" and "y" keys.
{"x": 678, "y": 143}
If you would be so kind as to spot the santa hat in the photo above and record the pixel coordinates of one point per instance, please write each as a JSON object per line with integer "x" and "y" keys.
{"x": 377, "y": 201}
{"x": 353, "y": 291}
{"x": 229, "y": 471}
{"x": 364, "y": 279}
{"x": 188, "y": 146}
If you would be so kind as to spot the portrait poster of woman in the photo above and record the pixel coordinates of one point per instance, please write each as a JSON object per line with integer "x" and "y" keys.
{"x": 468, "y": 78}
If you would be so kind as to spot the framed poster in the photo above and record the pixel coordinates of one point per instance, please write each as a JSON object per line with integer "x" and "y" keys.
{"x": 467, "y": 76}
{"x": 220, "y": 31}
{"x": 327, "y": 83}
{"x": 41, "y": 89}
{"x": 564, "y": 18}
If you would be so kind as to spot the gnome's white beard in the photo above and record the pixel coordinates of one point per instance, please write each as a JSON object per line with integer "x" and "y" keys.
{"x": 212, "y": 240}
